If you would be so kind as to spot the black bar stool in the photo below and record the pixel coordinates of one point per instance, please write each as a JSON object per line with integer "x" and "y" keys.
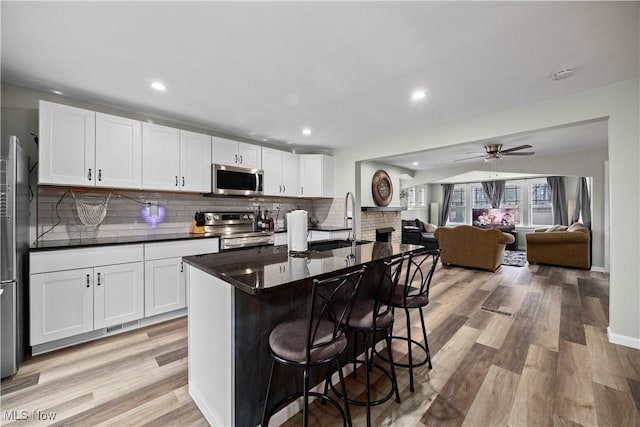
{"x": 372, "y": 314}
{"x": 414, "y": 294}
{"x": 317, "y": 340}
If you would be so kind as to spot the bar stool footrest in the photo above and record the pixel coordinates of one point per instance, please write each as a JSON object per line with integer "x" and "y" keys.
{"x": 364, "y": 403}
{"x": 427, "y": 358}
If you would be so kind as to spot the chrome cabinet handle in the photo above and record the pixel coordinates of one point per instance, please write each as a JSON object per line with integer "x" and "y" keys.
{"x": 88, "y": 284}
{"x": 235, "y": 159}
{"x": 99, "y": 174}
{"x": 89, "y": 174}
{"x": 301, "y": 190}
{"x": 240, "y": 159}
{"x": 284, "y": 188}
{"x": 98, "y": 279}
{"x": 279, "y": 188}
{"x": 176, "y": 180}
{"x": 183, "y": 181}
{"x": 181, "y": 266}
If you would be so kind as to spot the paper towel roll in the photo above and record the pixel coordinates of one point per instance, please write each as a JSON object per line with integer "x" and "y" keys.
{"x": 297, "y": 231}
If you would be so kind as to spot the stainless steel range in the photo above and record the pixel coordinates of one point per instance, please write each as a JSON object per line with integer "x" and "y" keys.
{"x": 237, "y": 230}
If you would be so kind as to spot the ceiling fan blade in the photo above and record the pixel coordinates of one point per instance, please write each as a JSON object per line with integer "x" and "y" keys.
{"x": 469, "y": 158}
{"x": 521, "y": 147}
{"x": 526, "y": 153}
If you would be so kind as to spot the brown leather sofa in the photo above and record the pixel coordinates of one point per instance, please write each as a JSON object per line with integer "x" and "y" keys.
{"x": 470, "y": 246}
{"x": 566, "y": 248}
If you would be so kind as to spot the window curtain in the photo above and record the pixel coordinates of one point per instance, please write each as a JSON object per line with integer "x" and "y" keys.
{"x": 494, "y": 191}
{"x": 583, "y": 203}
{"x": 558, "y": 200}
{"x": 447, "y": 193}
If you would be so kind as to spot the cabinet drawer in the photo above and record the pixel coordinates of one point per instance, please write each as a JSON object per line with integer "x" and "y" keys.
{"x": 181, "y": 248}
{"x": 68, "y": 259}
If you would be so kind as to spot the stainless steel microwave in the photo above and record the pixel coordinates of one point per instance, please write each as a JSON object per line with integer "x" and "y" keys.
{"x": 235, "y": 181}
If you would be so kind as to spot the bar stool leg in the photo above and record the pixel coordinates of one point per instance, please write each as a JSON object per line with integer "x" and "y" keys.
{"x": 426, "y": 343}
{"x": 367, "y": 384}
{"x": 305, "y": 399}
{"x": 265, "y": 418}
{"x": 391, "y": 364}
{"x": 344, "y": 394}
{"x": 406, "y": 311}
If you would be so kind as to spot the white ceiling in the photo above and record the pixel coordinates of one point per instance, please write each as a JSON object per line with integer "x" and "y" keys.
{"x": 265, "y": 70}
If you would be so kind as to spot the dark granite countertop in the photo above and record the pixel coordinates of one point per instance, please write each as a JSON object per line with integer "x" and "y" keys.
{"x": 320, "y": 228}
{"x": 267, "y": 268}
{"x": 49, "y": 245}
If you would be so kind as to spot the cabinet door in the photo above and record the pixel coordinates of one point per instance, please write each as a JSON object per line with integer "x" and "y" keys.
{"x": 316, "y": 175}
{"x": 66, "y": 145}
{"x": 61, "y": 304}
{"x": 195, "y": 162}
{"x": 310, "y": 175}
{"x": 118, "y": 152}
{"x": 272, "y": 167}
{"x": 249, "y": 155}
{"x": 160, "y": 157}
{"x": 118, "y": 294}
{"x": 224, "y": 151}
{"x": 290, "y": 175}
{"x": 164, "y": 285}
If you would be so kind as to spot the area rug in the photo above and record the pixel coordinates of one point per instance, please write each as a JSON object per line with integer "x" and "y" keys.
{"x": 515, "y": 258}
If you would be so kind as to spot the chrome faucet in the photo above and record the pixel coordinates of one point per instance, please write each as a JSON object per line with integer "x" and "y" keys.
{"x": 353, "y": 214}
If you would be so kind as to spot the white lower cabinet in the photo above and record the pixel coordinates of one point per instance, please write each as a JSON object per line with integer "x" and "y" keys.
{"x": 71, "y": 302}
{"x": 165, "y": 286}
{"x": 165, "y": 282}
{"x": 77, "y": 291}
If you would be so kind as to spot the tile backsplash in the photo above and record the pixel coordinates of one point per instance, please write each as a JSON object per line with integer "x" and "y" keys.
{"x": 58, "y": 217}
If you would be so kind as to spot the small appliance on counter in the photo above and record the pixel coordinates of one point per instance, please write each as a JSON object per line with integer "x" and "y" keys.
{"x": 297, "y": 229}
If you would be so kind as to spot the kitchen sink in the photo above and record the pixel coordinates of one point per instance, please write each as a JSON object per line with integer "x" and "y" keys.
{"x": 327, "y": 245}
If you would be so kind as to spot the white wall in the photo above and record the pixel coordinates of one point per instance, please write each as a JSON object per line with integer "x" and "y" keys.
{"x": 619, "y": 103}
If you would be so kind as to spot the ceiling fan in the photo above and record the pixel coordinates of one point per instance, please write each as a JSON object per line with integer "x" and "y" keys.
{"x": 495, "y": 152}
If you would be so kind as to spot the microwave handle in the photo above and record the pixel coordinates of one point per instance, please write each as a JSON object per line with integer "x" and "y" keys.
{"x": 257, "y": 181}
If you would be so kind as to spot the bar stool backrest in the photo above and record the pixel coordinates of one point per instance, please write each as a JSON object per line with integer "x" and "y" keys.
{"x": 420, "y": 268}
{"x": 387, "y": 287}
{"x": 326, "y": 294}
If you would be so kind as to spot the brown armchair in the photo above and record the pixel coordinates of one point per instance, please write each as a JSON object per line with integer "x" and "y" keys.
{"x": 568, "y": 248}
{"x": 470, "y": 246}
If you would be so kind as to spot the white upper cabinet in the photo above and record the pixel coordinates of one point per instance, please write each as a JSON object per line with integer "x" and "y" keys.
{"x": 316, "y": 175}
{"x": 280, "y": 172}
{"x": 89, "y": 149}
{"x": 160, "y": 157}
{"x": 66, "y": 145}
{"x": 234, "y": 153}
{"x": 195, "y": 162}
{"x": 118, "y": 152}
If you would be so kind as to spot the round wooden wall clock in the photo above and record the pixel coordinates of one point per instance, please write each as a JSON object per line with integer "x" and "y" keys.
{"x": 381, "y": 188}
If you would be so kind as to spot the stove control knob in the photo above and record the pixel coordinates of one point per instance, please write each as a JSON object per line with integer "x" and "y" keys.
{"x": 245, "y": 216}
{"x": 216, "y": 217}
{"x": 209, "y": 217}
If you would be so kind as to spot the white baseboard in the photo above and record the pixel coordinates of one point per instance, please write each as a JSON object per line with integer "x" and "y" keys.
{"x": 598, "y": 269}
{"x": 623, "y": 340}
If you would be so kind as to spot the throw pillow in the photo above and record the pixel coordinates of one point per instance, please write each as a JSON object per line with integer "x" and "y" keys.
{"x": 556, "y": 228}
{"x": 576, "y": 226}
{"x": 420, "y": 224}
{"x": 410, "y": 228}
{"x": 430, "y": 228}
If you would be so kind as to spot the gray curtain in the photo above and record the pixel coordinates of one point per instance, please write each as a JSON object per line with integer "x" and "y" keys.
{"x": 583, "y": 203}
{"x": 447, "y": 193}
{"x": 558, "y": 200}
{"x": 494, "y": 191}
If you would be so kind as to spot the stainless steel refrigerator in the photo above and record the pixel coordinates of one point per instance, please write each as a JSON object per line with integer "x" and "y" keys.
{"x": 14, "y": 252}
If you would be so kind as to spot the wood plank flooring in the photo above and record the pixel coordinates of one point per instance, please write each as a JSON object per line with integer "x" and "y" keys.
{"x": 523, "y": 346}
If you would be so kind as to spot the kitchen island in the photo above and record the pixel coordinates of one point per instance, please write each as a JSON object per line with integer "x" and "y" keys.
{"x": 235, "y": 300}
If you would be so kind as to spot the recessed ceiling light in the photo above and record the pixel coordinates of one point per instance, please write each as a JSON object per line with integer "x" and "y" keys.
{"x": 415, "y": 163}
{"x": 158, "y": 86}
{"x": 57, "y": 92}
{"x": 306, "y": 131}
{"x": 562, "y": 74}
{"x": 418, "y": 95}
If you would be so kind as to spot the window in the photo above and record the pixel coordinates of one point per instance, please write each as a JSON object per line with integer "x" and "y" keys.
{"x": 480, "y": 198}
{"x": 512, "y": 199}
{"x": 456, "y": 211}
{"x": 541, "y": 213}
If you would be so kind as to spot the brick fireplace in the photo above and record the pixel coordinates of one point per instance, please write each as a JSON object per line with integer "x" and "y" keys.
{"x": 373, "y": 220}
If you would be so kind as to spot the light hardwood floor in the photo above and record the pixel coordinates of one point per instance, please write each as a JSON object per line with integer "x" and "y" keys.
{"x": 523, "y": 346}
